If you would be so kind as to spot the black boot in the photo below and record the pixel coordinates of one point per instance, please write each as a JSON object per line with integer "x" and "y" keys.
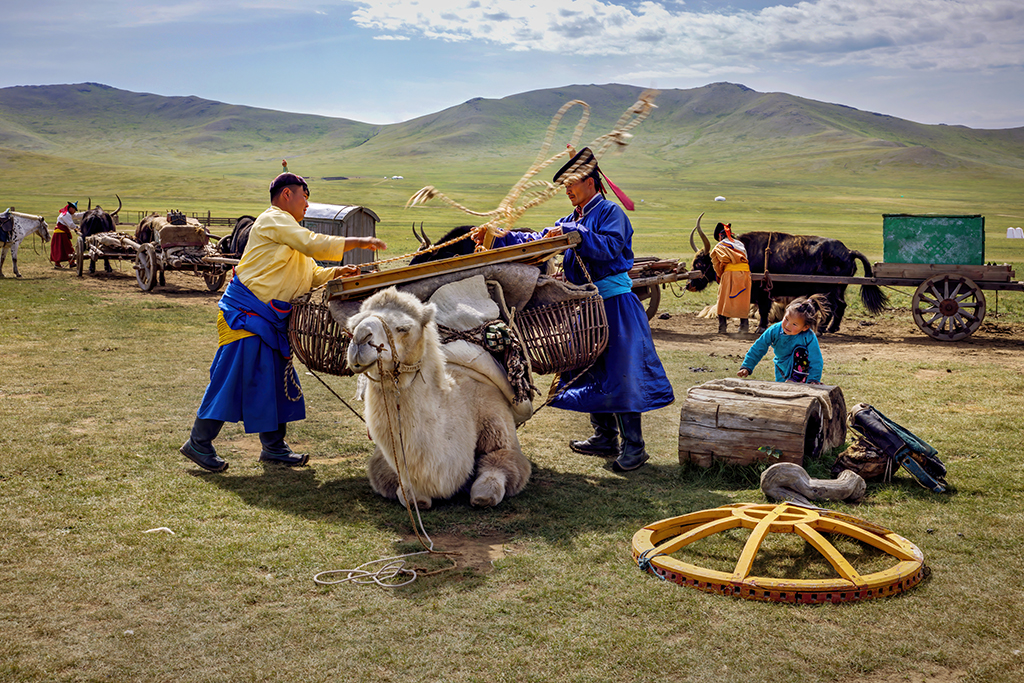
{"x": 199, "y": 447}
{"x": 744, "y": 325}
{"x": 276, "y": 450}
{"x": 633, "y": 453}
{"x": 722, "y": 320}
{"x": 604, "y": 442}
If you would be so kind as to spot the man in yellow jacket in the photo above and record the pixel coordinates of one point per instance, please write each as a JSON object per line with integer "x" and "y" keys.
{"x": 251, "y": 380}
{"x": 729, "y": 257}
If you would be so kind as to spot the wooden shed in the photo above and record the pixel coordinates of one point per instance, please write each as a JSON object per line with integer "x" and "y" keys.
{"x": 343, "y": 221}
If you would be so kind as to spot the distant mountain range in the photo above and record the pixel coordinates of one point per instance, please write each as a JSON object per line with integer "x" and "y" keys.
{"x": 715, "y": 129}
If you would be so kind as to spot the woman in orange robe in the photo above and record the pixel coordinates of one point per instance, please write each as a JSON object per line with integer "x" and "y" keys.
{"x": 729, "y": 257}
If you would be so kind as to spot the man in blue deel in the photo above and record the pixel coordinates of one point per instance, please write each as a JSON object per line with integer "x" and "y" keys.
{"x": 628, "y": 378}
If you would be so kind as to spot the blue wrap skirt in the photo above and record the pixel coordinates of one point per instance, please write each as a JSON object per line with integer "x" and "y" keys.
{"x": 247, "y": 385}
{"x": 628, "y": 377}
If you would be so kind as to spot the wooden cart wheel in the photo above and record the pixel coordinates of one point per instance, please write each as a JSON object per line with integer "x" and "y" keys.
{"x": 80, "y": 253}
{"x": 652, "y": 295}
{"x": 145, "y": 267}
{"x": 657, "y": 546}
{"x": 214, "y": 279}
{"x": 949, "y": 307}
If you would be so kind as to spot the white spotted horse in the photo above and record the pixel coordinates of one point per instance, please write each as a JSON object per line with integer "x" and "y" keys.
{"x": 14, "y": 228}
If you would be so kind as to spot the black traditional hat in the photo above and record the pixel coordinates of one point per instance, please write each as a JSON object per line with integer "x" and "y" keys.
{"x": 584, "y": 165}
{"x": 286, "y": 179}
{"x": 73, "y": 204}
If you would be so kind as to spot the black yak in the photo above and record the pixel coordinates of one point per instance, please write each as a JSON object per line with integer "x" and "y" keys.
{"x": 794, "y": 255}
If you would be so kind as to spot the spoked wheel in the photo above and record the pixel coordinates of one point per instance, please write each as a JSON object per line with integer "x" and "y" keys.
{"x": 145, "y": 267}
{"x": 214, "y": 279}
{"x": 656, "y": 545}
{"x": 949, "y": 307}
{"x": 651, "y": 294}
{"x": 80, "y": 253}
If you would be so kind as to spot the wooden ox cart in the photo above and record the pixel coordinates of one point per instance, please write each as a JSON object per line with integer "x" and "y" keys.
{"x": 650, "y": 274}
{"x": 182, "y": 245}
{"x": 941, "y": 257}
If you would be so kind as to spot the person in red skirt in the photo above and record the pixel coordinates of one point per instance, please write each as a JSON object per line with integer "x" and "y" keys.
{"x": 60, "y": 245}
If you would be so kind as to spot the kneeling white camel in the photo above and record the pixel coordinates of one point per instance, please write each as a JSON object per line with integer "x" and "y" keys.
{"x": 438, "y": 427}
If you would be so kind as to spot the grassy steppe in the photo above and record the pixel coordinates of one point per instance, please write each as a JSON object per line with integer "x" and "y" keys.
{"x": 101, "y": 382}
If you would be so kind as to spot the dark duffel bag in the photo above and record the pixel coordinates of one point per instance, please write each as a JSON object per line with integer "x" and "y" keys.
{"x": 884, "y": 446}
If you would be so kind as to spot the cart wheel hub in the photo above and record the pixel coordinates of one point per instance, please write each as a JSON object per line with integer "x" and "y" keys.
{"x": 948, "y": 307}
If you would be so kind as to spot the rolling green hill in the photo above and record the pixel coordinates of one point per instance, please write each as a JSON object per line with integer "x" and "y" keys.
{"x": 781, "y": 160}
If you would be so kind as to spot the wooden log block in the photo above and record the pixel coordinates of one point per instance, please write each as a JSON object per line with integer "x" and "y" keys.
{"x": 730, "y": 419}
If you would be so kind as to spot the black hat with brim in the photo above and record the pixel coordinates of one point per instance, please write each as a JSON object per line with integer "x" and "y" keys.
{"x": 582, "y": 165}
{"x": 286, "y": 179}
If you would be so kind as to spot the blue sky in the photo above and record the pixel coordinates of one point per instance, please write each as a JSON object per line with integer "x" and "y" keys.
{"x": 931, "y": 61}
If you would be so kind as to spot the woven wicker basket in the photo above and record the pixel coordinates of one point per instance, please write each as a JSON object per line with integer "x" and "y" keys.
{"x": 568, "y": 335}
{"x": 317, "y": 339}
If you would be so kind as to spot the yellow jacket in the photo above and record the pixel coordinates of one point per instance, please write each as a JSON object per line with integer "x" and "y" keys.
{"x": 278, "y": 262}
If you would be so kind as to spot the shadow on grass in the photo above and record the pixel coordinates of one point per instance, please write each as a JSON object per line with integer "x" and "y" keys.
{"x": 555, "y": 506}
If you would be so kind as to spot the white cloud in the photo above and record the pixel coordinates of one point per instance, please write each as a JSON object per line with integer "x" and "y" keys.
{"x": 915, "y": 34}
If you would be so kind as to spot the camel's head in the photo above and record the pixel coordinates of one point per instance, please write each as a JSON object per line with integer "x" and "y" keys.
{"x": 410, "y": 323}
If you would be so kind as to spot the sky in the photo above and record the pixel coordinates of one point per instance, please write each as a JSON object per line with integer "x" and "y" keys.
{"x": 929, "y": 61}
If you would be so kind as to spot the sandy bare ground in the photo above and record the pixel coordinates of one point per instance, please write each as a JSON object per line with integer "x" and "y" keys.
{"x": 892, "y": 335}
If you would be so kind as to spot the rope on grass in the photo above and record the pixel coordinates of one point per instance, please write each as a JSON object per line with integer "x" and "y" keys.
{"x": 395, "y": 565}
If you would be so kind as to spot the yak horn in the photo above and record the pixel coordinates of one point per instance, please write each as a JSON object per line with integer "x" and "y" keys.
{"x": 118, "y": 205}
{"x": 695, "y": 229}
{"x": 703, "y": 237}
{"x": 421, "y": 237}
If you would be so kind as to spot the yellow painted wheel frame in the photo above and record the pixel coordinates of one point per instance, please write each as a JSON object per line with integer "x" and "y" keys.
{"x": 653, "y": 545}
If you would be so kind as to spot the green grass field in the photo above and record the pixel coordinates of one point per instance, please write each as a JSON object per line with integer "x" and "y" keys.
{"x": 100, "y": 384}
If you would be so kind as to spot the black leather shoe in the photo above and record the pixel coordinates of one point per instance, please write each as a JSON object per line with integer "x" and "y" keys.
{"x": 208, "y": 461}
{"x": 290, "y": 459}
{"x": 595, "y": 446}
{"x": 625, "y": 463}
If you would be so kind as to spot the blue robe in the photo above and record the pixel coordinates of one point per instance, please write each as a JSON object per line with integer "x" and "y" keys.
{"x": 247, "y": 377}
{"x": 628, "y": 377}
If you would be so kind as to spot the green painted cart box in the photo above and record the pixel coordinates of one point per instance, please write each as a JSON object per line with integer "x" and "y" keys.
{"x": 930, "y": 238}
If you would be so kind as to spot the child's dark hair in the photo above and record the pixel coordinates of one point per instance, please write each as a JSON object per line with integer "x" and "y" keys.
{"x": 814, "y": 309}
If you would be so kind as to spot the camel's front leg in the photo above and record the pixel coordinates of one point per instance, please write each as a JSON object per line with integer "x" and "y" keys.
{"x": 384, "y": 480}
{"x": 499, "y": 473}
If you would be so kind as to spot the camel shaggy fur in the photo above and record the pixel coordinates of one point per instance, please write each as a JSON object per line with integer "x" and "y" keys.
{"x": 437, "y": 425}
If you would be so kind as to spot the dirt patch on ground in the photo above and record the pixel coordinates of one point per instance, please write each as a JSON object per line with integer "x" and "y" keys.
{"x": 476, "y": 553}
{"x": 890, "y": 336}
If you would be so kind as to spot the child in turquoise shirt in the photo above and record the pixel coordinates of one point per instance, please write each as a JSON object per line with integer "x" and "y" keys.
{"x": 797, "y": 354}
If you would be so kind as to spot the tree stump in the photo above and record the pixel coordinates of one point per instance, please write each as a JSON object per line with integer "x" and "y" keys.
{"x": 745, "y": 421}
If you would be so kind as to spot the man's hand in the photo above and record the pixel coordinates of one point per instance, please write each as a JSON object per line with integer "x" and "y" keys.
{"x": 372, "y": 243}
{"x": 743, "y": 372}
{"x": 345, "y": 271}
